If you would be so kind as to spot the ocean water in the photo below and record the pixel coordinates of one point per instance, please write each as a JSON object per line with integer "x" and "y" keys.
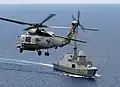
{"x": 30, "y": 70}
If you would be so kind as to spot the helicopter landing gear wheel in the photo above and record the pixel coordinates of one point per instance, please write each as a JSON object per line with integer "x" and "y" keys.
{"x": 46, "y": 53}
{"x": 56, "y": 47}
{"x": 39, "y": 52}
{"x": 21, "y": 50}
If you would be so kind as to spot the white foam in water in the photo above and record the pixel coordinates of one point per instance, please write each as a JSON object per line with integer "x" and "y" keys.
{"x": 75, "y": 75}
{"x": 78, "y": 76}
{"x": 72, "y": 75}
{"x": 25, "y": 62}
{"x": 97, "y": 75}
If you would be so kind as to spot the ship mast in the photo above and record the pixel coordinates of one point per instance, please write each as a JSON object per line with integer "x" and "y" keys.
{"x": 75, "y": 47}
{"x": 77, "y": 23}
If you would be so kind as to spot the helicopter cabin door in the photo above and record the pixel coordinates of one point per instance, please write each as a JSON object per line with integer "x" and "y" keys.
{"x": 29, "y": 39}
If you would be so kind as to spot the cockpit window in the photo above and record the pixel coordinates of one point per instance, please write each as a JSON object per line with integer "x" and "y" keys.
{"x": 38, "y": 32}
{"x": 47, "y": 35}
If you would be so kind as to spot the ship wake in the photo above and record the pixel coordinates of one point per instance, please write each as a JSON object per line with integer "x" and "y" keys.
{"x": 23, "y": 62}
{"x": 30, "y": 66}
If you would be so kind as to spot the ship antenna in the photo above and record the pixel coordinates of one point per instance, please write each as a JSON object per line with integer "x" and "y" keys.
{"x": 75, "y": 48}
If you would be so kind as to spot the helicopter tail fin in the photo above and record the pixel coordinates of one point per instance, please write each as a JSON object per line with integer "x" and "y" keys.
{"x": 71, "y": 32}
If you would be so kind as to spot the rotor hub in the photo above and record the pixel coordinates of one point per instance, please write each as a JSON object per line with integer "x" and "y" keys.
{"x": 75, "y": 22}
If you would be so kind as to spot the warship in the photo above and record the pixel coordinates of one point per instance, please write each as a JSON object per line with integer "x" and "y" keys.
{"x": 76, "y": 63}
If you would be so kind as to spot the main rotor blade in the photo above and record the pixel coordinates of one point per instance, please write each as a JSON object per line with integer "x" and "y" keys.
{"x": 72, "y": 39}
{"x": 50, "y": 16}
{"x": 36, "y": 26}
{"x": 79, "y": 40}
{"x": 14, "y": 21}
{"x": 29, "y": 28}
{"x": 46, "y": 27}
{"x": 57, "y": 27}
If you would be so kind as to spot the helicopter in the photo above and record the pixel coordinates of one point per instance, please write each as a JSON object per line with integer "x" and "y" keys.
{"x": 37, "y": 37}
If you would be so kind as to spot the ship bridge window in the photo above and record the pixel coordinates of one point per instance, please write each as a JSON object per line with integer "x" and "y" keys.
{"x": 73, "y": 65}
{"x": 28, "y": 39}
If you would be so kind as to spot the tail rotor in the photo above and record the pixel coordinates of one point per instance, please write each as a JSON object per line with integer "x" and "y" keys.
{"x": 80, "y": 25}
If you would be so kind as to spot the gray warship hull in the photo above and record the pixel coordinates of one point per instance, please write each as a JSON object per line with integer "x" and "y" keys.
{"x": 87, "y": 72}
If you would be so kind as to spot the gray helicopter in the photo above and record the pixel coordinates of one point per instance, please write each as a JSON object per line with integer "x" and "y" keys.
{"x": 37, "y": 37}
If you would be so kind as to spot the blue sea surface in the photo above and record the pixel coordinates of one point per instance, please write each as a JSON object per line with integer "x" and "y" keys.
{"x": 102, "y": 47}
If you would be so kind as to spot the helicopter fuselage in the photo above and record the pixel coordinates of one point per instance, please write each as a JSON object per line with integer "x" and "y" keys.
{"x": 37, "y": 38}
{"x": 36, "y": 42}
